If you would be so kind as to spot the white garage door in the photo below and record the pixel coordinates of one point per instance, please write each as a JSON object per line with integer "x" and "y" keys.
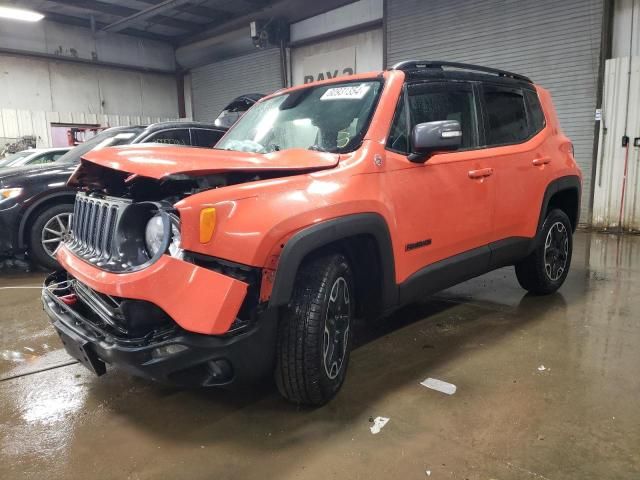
{"x": 556, "y": 43}
{"x": 215, "y": 85}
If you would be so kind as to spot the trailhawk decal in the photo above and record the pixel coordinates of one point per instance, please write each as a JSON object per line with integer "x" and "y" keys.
{"x": 421, "y": 243}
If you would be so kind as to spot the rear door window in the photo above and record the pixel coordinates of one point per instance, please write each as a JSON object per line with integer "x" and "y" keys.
{"x": 202, "y": 137}
{"x": 178, "y": 136}
{"x": 506, "y": 115}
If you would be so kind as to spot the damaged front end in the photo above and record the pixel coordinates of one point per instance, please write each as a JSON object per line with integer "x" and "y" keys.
{"x": 139, "y": 337}
{"x": 130, "y": 295}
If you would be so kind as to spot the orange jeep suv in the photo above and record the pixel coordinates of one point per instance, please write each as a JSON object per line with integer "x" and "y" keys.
{"x": 326, "y": 202}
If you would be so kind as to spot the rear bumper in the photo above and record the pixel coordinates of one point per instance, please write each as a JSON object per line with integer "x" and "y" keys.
{"x": 197, "y": 299}
{"x": 175, "y": 357}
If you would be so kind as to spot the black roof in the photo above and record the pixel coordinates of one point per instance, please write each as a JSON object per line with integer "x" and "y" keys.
{"x": 437, "y": 69}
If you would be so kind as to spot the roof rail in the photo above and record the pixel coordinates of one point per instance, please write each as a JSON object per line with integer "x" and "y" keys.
{"x": 436, "y": 64}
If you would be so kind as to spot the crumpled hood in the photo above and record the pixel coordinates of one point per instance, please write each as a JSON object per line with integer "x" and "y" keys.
{"x": 158, "y": 161}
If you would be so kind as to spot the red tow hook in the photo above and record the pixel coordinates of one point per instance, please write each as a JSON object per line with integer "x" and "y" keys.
{"x": 70, "y": 299}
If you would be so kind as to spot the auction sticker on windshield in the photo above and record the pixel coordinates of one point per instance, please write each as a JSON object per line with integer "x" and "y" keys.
{"x": 350, "y": 92}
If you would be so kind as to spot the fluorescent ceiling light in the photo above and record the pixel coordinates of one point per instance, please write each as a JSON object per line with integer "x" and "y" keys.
{"x": 20, "y": 14}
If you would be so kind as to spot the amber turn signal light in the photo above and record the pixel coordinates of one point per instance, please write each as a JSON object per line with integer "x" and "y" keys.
{"x": 207, "y": 224}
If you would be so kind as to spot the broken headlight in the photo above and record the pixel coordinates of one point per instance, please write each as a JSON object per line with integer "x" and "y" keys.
{"x": 155, "y": 234}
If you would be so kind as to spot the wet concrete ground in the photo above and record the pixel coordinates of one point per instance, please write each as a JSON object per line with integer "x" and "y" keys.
{"x": 579, "y": 417}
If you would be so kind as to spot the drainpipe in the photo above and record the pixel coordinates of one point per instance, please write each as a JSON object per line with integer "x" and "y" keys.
{"x": 625, "y": 138}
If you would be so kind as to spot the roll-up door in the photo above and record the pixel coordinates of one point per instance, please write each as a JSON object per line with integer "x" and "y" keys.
{"x": 215, "y": 85}
{"x": 555, "y": 43}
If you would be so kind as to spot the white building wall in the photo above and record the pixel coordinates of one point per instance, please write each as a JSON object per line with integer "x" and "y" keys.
{"x": 626, "y": 19}
{"x": 616, "y": 202}
{"x": 41, "y": 84}
{"x": 53, "y": 73}
{"x": 367, "y": 54}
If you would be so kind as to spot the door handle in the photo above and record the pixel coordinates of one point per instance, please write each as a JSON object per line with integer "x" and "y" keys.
{"x": 483, "y": 172}
{"x": 538, "y": 162}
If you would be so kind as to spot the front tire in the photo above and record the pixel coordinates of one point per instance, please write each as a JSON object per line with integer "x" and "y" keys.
{"x": 546, "y": 268}
{"x": 50, "y": 227}
{"x": 315, "y": 332}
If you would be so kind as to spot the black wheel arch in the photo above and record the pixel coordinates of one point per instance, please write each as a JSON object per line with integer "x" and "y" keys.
{"x": 564, "y": 193}
{"x": 31, "y": 212}
{"x": 336, "y": 232}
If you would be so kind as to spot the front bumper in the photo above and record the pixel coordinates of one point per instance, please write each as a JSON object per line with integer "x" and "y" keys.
{"x": 197, "y": 299}
{"x": 172, "y": 356}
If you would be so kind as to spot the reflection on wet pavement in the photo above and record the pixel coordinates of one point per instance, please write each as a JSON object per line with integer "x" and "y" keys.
{"x": 577, "y": 417}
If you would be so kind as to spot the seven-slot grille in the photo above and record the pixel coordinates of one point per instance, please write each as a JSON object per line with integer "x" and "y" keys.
{"x": 93, "y": 227}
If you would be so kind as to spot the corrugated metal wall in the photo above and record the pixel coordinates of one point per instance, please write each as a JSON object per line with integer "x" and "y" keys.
{"x": 621, "y": 108}
{"x": 556, "y": 43}
{"x": 216, "y": 84}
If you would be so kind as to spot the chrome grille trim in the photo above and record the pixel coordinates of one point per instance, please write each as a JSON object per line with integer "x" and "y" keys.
{"x": 93, "y": 227}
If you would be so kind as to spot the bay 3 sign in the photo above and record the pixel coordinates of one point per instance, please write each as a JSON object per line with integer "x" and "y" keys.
{"x": 330, "y": 65}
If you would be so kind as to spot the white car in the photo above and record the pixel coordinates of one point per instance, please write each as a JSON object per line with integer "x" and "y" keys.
{"x": 33, "y": 156}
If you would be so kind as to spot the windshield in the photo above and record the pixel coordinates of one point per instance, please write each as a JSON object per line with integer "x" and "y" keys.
{"x": 14, "y": 157}
{"x": 328, "y": 118}
{"x": 108, "y": 138}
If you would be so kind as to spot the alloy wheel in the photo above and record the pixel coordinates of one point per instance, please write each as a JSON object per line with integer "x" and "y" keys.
{"x": 336, "y": 328}
{"x": 55, "y": 232}
{"x": 556, "y": 251}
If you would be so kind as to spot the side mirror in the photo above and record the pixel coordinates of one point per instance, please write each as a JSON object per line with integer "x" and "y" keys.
{"x": 430, "y": 137}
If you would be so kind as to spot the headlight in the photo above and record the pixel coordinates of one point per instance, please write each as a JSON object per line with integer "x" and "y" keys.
{"x": 7, "y": 193}
{"x": 155, "y": 235}
{"x": 175, "y": 250}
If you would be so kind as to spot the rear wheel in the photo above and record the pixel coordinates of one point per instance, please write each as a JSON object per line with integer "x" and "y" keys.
{"x": 50, "y": 228}
{"x": 315, "y": 330}
{"x": 546, "y": 268}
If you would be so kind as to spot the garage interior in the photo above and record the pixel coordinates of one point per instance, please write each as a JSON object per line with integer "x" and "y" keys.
{"x": 545, "y": 387}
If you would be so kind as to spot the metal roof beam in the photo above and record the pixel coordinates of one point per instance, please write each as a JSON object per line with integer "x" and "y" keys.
{"x": 145, "y": 14}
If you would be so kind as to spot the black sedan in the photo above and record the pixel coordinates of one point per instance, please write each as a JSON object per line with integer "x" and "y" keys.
{"x": 36, "y": 205}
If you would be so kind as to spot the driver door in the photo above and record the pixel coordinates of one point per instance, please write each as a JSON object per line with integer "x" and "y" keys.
{"x": 443, "y": 207}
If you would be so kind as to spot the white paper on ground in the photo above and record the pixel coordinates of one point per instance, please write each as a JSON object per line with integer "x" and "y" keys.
{"x": 378, "y": 423}
{"x": 439, "y": 385}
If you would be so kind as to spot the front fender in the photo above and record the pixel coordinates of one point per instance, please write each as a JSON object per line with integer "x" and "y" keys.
{"x": 324, "y": 233}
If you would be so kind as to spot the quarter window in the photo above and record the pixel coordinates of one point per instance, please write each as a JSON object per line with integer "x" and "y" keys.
{"x": 399, "y": 134}
{"x": 536, "y": 116}
{"x": 506, "y": 116}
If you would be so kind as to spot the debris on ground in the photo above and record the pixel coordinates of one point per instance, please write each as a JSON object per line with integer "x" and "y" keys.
{"x": 541, "y": 368}
{"x": 439, "y": 385}
{"x": 378, "y": 424}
